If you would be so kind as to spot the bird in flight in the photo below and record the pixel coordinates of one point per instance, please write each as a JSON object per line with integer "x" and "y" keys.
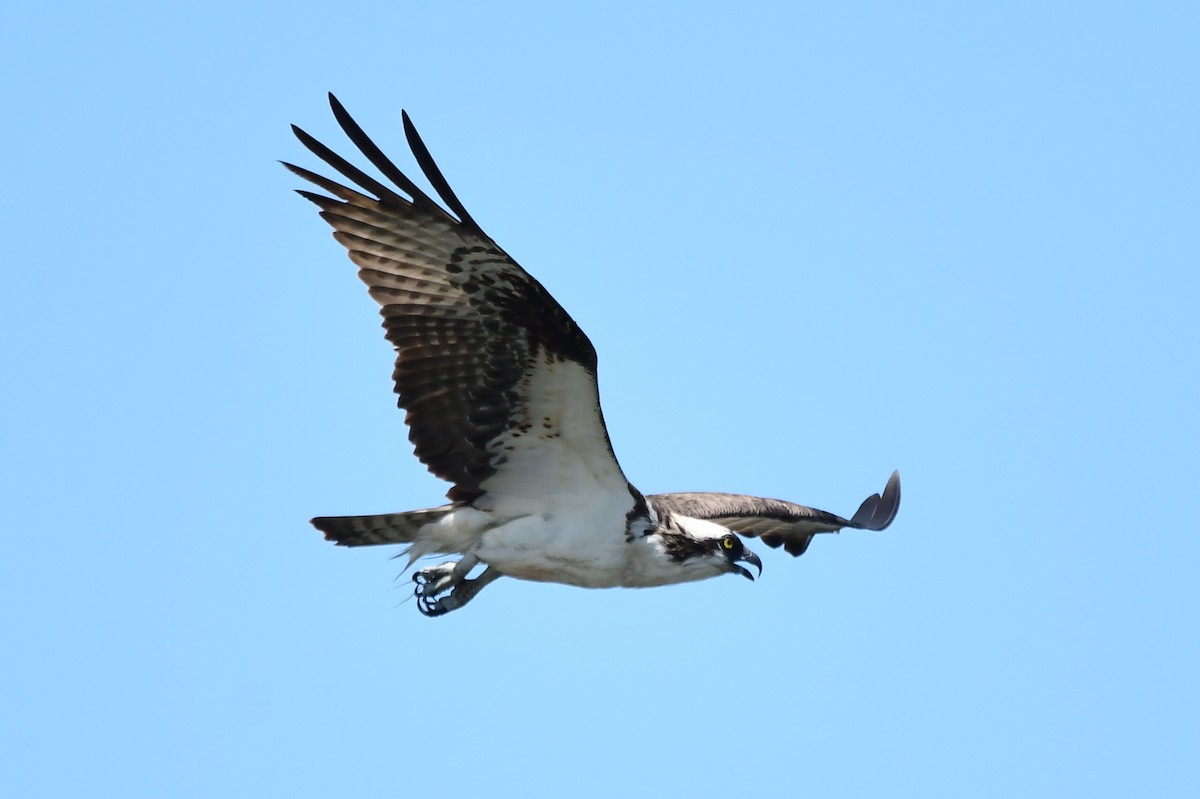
{"x": 499, "y": 388}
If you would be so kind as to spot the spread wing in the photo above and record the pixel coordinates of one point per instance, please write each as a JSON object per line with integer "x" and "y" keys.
{"x": 776, "y": 522}
{"x": 487, "y": 362}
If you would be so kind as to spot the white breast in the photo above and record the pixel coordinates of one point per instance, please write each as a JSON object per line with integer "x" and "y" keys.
{"x": 559, "y": 495}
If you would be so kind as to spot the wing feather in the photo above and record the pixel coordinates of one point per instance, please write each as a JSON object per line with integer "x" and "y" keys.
{"x": 472, "y": 329}
{"x": 777, "y": 522}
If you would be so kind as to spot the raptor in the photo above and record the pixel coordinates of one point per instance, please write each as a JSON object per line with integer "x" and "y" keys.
{"x": 499, "y": 388}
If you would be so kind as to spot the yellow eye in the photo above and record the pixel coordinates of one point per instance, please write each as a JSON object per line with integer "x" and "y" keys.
{"x": 727, "y": 542}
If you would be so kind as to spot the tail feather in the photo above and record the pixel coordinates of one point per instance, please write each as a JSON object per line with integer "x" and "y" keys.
{"x": 384, "y": 528}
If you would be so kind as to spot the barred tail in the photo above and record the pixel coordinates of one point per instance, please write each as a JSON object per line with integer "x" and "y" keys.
{"x": 385, "y": 528}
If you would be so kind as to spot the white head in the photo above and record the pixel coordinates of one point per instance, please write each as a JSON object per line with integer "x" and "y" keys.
{"x": 695, "y": 549}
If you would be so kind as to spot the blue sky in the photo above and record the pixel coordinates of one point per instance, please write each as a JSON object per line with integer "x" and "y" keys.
{"x": 812, "y": 245}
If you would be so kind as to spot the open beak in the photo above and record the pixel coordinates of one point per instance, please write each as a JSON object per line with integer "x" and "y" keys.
{"x": 752, "y": 559}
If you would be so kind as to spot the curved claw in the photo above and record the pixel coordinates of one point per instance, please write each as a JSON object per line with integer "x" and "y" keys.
{"x": 428, "y": 605}
{"x": 435, "y": 580}
{"x": 431, "y": 607}
{"x": 432, "y": 585}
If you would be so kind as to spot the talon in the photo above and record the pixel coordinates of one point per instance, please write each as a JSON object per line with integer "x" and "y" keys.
{"x": 431, "y": 607}
{"x": 443, "y": 588}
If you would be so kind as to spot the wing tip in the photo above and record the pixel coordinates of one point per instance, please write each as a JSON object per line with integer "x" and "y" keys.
{"x": 879, "y": 510}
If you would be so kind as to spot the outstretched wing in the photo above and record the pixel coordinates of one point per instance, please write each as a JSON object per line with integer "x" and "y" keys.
{"x": 776, "y": 522}
{"x": 487, "y": 362}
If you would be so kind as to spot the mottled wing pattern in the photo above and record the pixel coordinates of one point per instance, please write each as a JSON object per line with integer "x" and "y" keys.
{"x": 776, "y": 522}
{"x": 467, "y": 322}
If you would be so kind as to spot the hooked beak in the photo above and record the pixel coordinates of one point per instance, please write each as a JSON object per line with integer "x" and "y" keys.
{"x": 752, "y": 559}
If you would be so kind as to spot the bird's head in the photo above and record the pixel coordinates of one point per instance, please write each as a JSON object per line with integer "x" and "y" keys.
{"x": 701, "y": 545}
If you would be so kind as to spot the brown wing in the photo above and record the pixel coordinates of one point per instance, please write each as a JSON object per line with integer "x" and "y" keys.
{"x": 776, "y": 522}
{"x": 467, "y": 322}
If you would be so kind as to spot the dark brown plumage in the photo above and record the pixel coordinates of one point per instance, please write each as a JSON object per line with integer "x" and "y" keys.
{"x": 466, "y": 320}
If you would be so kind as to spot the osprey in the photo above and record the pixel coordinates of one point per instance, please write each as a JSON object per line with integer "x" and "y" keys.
{"x": 499, "y": 388}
